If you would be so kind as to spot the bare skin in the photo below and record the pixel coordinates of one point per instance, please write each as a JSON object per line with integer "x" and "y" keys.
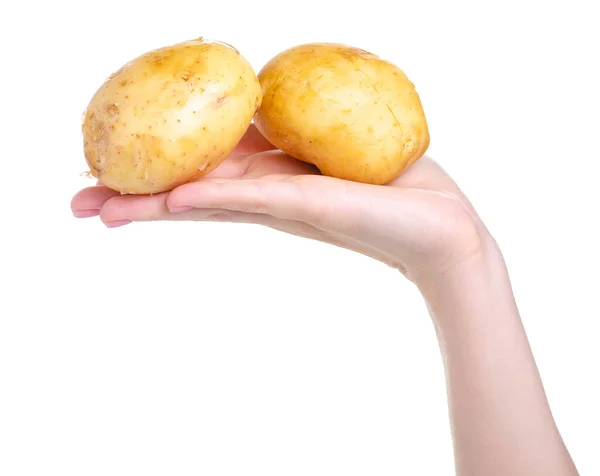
{"x": 424, "y": 226}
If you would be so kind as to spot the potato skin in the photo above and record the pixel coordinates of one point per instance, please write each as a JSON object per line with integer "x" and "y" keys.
{"x": 347, "y": 111}
{"x": 169, "y": 116}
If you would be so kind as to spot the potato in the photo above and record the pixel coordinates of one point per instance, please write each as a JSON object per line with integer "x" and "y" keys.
{"x": 347, "y": 111}
{"x": 169, "y": 116}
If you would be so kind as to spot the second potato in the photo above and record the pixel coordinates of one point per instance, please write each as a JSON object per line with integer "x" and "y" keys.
{"x": 350, "y": 113}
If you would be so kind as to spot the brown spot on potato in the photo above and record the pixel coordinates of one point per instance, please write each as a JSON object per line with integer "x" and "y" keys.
{"x": 112, "y": 109}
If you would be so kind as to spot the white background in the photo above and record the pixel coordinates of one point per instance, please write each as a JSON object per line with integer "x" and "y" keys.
{"x": 217, "y": 349}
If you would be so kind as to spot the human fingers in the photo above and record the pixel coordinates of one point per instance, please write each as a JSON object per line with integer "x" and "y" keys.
{"x": 122, "y": 210}
{"x": 324, "y": 202}
{"x": 89, "y": 201}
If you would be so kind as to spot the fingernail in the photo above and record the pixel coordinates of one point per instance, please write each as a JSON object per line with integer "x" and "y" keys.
{"x": 180, "y": 209}
{"x": 86, "y": 213}
{"x": 117, "y": 223}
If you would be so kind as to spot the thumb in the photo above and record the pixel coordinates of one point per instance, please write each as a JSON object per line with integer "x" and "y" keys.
{"x": 324, "y": 202}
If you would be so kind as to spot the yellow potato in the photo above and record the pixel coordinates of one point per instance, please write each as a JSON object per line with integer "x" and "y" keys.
{"x": 347, "y": 111}
{"x": 169, "y": 116}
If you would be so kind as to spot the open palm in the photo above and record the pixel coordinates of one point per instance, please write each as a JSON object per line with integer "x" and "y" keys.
{"x": 418, "y": 221}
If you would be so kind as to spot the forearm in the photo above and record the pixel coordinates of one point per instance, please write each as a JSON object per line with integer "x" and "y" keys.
{"x": 501, "y": 422}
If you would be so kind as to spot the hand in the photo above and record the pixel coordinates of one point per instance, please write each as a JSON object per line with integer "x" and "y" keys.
{"x": 421, "y": 223}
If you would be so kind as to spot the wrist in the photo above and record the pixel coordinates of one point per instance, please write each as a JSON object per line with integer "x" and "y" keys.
{"x": 473, "y": 287}
{"x": 498, "y": 405}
